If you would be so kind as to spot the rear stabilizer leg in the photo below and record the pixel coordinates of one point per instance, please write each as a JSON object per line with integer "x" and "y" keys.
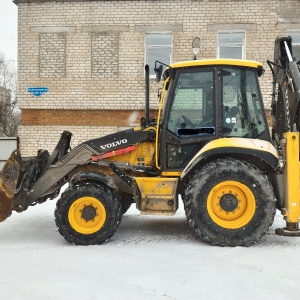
{"x": 291, "y": 210}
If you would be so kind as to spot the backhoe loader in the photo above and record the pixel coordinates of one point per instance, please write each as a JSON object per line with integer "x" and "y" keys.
{"x": 210, "y": 144}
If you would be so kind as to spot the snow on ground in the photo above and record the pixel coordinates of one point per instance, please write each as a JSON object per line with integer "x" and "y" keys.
{"x": 150, "y": 257}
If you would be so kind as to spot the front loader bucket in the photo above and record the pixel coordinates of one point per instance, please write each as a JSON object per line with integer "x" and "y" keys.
{"x": 20, "y": 174}
{"x": 9, "y": 176}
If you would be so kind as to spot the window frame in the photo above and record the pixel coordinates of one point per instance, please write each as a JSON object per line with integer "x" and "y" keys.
{"x": 146, "y": 47}
{"x": 297, "y": 44}
{"x": 231, "y": 45}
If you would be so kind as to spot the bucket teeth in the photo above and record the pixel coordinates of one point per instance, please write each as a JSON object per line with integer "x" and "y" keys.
{"x": 9, "y": 176}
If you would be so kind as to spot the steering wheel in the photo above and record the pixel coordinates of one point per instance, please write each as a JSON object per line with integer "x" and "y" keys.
{"x": 187, "y": 120}
{"x": 207, "y": 123}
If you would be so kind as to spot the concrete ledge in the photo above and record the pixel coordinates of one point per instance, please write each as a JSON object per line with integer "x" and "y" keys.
{"x": 159, "y": 28}
{"x": 288, "y": 26}
{"x": 105, "y": 28}
{"x": 234, "y": 26}
{"x": 52, "y": 29}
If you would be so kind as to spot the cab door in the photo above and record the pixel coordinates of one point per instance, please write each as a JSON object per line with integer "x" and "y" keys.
{"x": 190, "y": 116}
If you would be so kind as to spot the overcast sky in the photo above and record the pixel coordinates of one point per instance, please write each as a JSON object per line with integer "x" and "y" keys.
{"x": 9, "y": 29}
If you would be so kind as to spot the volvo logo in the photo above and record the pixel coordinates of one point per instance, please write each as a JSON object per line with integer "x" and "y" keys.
{"x": 113, "y": 144}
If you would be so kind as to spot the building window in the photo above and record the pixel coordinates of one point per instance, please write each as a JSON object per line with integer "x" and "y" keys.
{"x": 231, "y": 45}
{"x": 295, "y": 35}
{"x": 157, "y": 47}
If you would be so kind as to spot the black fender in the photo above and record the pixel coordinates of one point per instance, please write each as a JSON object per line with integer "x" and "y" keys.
{"x": 261, "y": 154}
{"x": 92, "y": 177}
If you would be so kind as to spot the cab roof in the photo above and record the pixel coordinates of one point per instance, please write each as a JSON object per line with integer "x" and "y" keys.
{"x": 210, "y": 62}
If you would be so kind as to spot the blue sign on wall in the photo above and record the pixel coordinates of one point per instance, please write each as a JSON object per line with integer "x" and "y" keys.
{"x": 37, "y": 91}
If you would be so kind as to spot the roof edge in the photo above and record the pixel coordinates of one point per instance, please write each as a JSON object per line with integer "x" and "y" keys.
{"x": 218, "y": 61}
{"x": 17, "y": 2}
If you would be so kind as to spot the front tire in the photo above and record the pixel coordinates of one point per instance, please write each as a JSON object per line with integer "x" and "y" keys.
{"x": 230, "y": 202}
{"x": 88, "y": 214}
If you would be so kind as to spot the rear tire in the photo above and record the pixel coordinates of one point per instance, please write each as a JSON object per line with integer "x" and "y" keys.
{"x": 230, "y": 202}
{"x": 88, "y": 214}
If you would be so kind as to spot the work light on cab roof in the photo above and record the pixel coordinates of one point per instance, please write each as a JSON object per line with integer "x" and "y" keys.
{"x": 196, "y": 46}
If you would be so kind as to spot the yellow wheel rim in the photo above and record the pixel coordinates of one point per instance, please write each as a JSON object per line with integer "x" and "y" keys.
{"x": 231, "y": 204}
{"x": 87, "y": 215}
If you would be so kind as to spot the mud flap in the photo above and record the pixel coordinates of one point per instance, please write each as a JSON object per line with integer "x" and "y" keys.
{"x": 9, "y": 176}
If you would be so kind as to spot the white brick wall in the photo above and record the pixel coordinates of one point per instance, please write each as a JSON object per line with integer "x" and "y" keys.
{"x": 105, "y": 54}
{"x": 46, "y": 137}
{"x": 84, "y": 86}
{"x": 52, "y": 55}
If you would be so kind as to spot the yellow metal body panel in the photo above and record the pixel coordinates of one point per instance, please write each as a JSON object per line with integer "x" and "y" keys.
{"x": 158, "y": 195}
{"x": 292, "y": 178}
{"x": 171, "y": 174}
{"x": 235, "y": 143}
{"x": 210, "y": 62}
{"x": 254, "y": 144}
{"x": 143, "y": 154}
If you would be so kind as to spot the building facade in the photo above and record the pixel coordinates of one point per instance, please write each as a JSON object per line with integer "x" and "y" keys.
{"x": 81, "y": 62}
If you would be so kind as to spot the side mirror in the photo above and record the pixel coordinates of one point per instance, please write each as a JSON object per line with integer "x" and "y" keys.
{"x": 158, "y": 72}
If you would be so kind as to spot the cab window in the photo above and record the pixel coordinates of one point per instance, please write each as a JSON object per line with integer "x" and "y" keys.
{"x": 242, "y": 104}
{"x": 192, "y": 109}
